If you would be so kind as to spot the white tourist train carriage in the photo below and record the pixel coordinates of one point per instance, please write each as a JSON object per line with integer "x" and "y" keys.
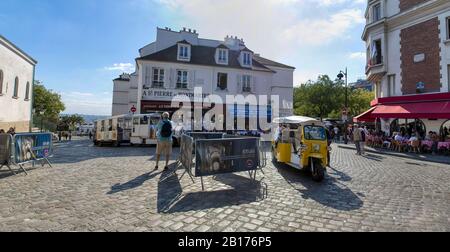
{"x": 137, "y": 129}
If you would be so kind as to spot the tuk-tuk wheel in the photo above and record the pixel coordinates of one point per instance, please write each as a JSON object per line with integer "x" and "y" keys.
{"x": 318, "y": 172}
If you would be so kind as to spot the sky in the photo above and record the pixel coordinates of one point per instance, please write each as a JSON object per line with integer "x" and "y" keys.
{"x": 82, "y": 45}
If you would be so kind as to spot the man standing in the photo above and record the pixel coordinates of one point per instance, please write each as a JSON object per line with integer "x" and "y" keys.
{"x": 363, "y": 140}
{"x": 164, "y": 135}
{"x": 336, "y": 133}
{"x": 357, "y": 139}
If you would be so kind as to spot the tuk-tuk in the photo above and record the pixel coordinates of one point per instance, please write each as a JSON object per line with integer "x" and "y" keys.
{"x": 301, "y": 142}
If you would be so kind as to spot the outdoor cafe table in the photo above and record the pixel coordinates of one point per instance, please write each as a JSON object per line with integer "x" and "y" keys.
{"x": 443, "y": 145}
{"x": 427, "y": 143}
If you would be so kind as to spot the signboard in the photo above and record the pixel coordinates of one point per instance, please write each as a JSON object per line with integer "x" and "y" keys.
{"x": 166, "y": 94}
{"x": 32, "y": 146}
{"x": 218, "y": 156}
{"x": 5, "y": 148}
{"x": 133, "y": 109}
{"x": 186, "y": 152}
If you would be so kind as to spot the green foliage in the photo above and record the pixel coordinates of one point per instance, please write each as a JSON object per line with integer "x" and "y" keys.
{"x": 46, "y": 103}
{"x": 326, "y": 98}
{"x": 67, "y": 122}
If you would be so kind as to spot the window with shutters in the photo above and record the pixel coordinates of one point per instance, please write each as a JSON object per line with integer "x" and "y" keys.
{"x": 222, "y": 81}
{"x": 1, "y": 82}
{"x": 182, "y": 79}
{"x": 147, "y": 76}
{"x": 158, "y": 78}
{"x": 391, "y": 85}
{"x": 246, "y": 83}
{"x": 376, "y": 12}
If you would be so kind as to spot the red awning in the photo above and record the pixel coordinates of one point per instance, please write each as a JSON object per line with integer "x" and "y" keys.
{"x": 365, "y": 117}
{"x": 428, "y": 110}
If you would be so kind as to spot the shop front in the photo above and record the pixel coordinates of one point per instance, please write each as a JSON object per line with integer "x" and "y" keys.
{"x": 415, "y": 113}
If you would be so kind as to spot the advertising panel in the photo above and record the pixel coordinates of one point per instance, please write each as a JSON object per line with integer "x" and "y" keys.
{"x": 32, "y": 146}
{"x": 5, "y": 148}
{"x": 186, "y": 151}
{"x": 219, "y": 156}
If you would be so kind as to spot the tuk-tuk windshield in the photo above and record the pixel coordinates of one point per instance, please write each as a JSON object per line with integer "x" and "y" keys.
{"x": 315, "y": 133}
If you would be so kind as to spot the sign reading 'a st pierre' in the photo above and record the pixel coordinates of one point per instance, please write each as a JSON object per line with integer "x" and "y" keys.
{"x": 167, "y": 94}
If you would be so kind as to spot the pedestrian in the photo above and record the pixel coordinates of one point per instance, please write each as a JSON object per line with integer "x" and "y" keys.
{"x": 2, "y": 131}
{"x": 90, "y": 135}
{"x": 336, "y": 133}
{"x": 11, "y": 131}
{"x": 329, "y": 141}
{"x": 164, "y": 134}
{"x": 70, "y": 135}
{"x": 363, "y": 141}
{"x": 59, "y": 136}
{"x": 357, "y": 138}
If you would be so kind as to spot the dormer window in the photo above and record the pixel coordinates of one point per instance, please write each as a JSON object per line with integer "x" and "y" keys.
{"x": 376, "y": 12}
{"x": 223, "y": 56}
{"x": 184, "y": 52}
{"x": 247, "y": 59}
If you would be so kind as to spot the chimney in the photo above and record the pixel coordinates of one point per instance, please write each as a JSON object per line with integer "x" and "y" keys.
{"x": 190, "y": 30}
{"x": 184, "y": 29}
{"x": 195, "y": 31}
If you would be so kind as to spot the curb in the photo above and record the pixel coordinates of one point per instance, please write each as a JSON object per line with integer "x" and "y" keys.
{"x": 397, "y": 155}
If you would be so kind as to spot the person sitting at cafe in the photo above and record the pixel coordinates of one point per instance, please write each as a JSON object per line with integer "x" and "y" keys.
{"x": 398, "y": 137}
{"x": 435, "y": 139}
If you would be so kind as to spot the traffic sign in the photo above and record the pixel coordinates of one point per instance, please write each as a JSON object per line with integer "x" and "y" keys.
{"x": 133, "y": 109}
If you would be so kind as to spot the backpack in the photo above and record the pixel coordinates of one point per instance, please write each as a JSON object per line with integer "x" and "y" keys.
{"x": 166, "y": 130}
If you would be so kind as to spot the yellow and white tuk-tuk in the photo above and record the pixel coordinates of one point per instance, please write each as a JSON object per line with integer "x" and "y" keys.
{"x": 301, "y": 142}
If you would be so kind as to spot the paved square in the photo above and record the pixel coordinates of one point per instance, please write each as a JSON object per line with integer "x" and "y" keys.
{"x": 115, "y": 189}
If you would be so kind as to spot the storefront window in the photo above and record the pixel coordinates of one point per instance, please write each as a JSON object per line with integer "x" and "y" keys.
{"x": 408, "y": 127}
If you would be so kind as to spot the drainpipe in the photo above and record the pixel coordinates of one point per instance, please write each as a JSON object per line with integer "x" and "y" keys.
{"x": 32, "y": 99}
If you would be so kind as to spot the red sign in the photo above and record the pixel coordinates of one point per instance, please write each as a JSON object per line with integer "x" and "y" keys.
{"x": 133, "y": 109}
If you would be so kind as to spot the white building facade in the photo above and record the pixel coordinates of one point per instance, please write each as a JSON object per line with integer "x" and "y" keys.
{"x": 16, "y": 87}
{"x": 177, "y": 63}
{"x": 408, "y": 60}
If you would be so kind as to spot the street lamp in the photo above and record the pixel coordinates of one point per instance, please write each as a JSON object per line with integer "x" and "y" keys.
{"x": 340, "y": 76}
{"x": 42, "y": 119}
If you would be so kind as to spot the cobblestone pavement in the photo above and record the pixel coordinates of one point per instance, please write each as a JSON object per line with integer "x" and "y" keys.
{"x": 114, "y": 189}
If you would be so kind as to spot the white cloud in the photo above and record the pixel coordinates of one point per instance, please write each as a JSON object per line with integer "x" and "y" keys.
{"x": 77, "y": 94}
{"x": 271, "y": 24}
{"x": 357, "y": 55}
{"x": 315, "y": 32}
{"x": 124, "y": 67}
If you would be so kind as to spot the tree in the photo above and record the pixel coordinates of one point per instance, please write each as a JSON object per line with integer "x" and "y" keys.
{"x": 46, "y": 103}
{"x": 71, "y": 121}
{"x": 326, "y": 98}
{"x": 319, "y": 98}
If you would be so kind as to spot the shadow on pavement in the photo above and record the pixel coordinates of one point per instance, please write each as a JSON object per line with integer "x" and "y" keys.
{"x": 169, "y": 189}
{"x": 374, "y": 157}
{"x": 244, "y": 191}
{"x": 134, "y": 183}
{"x": 83, "y": 149}
{"x": 330, "y": 192}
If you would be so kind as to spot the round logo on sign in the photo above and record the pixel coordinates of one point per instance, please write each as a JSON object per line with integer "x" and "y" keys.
{"x": 133, "y": 109}
{"x": 249, "y": 163}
